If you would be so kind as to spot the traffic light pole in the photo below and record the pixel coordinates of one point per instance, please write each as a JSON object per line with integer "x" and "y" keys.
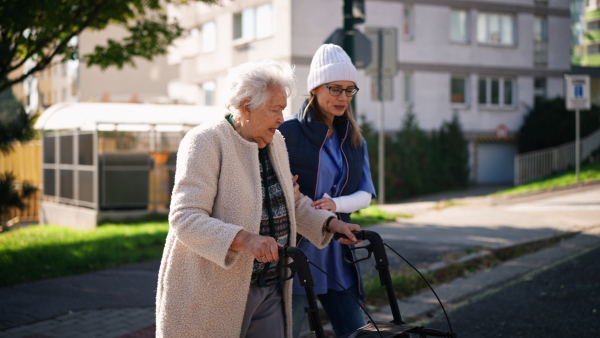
{"x": 349, "y": 36}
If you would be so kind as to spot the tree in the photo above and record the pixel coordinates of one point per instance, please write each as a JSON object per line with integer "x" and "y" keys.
{"x": 41, "y": 30}
{"x": 11, "y": 197}
{"x": 550, "y": 124}
{"x": 15, "y": 123}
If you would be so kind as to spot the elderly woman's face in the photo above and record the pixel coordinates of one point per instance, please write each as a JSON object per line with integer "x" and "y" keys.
{"x": 265, "y": 120}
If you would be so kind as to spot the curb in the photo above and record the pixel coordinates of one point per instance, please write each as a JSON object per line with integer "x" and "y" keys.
{"x": 425, "y": 305}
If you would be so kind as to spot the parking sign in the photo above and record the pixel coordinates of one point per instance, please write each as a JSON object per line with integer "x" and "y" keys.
{"x": 578, "y": 92}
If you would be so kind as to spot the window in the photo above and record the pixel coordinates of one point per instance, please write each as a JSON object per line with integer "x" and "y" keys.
{"x": 539, "y": 88}
{"x": 264, "y": 21}
{"x": 593, "y": 49}
{"x": 209, "y": 37}
{"x": 209, "y": 92}
{"x": 540, "y": 40}
{"x": 458, "y": 90}
{"x": 459, "y": 26}
{"x": 253, "y": 23}
{"x": 496, "y": 29}
{"x": 496, "y": 92}
{"x": 407, "y": 22}
{"x": 408, "y": 88}
{"x": 593, "y": 25}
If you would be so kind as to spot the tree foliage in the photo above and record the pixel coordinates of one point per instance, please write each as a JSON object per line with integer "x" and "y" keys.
{"x": 419, "y": 162}
{"x": 41, "y": 30}
{"x": 11, "y": 197}
{"x": 15, "y": 123}
{"x": 550, "y": 124}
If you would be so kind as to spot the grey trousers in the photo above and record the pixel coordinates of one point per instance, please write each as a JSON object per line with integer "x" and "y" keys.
{"x": 264, "y": 313}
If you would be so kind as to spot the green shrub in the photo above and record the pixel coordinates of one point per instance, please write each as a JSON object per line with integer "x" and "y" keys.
{"x": 549, "y": 124}
{"x": 418, "y": 162}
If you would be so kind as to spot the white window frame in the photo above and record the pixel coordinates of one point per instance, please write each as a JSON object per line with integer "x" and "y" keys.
{"x": 540, "y": 40}
{"x": 466, "y": 26}
{"x": 466, "y": 90}
{"x": 484, "y": 21}
{"x": 540, "y": 92}
{"x": 209, "y": 89}
{"x": 408, "y": 22}
{"x": 501, "y": 92}
{"x": 408, "y": 85}
{"x": 209, "y": 37}
{"x": 253, "y": 23}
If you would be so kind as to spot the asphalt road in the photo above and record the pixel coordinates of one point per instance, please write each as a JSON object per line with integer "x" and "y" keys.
{"x": 562, "y": 300}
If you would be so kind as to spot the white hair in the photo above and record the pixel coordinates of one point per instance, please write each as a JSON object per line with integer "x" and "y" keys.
{"x": 255, "y": 80}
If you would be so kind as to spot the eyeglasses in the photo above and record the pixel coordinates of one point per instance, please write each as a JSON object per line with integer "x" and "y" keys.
{"x": 337, "y": 91}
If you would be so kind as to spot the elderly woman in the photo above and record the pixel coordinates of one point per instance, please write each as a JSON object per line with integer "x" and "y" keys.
{"x": 233, "y": 205}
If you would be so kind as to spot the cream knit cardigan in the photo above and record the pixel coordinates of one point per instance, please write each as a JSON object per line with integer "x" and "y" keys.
{"x": 202, "y": 285}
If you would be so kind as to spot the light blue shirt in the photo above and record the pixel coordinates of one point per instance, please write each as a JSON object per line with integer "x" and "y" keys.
{"x": 332, "y": 177}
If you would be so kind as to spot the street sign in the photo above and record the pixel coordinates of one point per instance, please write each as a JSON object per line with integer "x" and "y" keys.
{"x": 384, "y": 48}
{"x": 384, "y": 90}
{"x": 502, "y": 132}
{"x": 578, "y": 92}
{"x": 362, "y": 46}
{"x": 383, "y": 67}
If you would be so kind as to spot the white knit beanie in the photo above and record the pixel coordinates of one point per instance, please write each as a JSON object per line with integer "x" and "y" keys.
{"x": 330, "y": 63}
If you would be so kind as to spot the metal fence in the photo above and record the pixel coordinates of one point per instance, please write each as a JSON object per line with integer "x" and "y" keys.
{"x": 542, "y": 163}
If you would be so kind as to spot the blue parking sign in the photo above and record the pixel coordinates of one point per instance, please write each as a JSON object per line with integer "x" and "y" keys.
{"x": 578, "y": 90}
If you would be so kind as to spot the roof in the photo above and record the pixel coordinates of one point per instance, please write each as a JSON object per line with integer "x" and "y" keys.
{"x": 88, "y": 116}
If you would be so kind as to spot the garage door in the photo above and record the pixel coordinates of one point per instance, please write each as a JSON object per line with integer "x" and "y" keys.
{"x": 495, "y": 163}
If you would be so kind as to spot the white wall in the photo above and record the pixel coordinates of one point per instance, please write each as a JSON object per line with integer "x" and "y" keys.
{"x": 147, "y": 81}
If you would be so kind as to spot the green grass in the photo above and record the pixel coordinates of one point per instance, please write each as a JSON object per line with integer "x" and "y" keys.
{"x": 587, "y": 173}
{"x": 40, "y": 252}
{"x": 373, "y": 215}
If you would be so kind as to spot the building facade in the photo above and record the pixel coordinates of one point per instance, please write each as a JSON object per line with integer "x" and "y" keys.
{"x": 485, "y": 60}
{"x": 144, "y": 83}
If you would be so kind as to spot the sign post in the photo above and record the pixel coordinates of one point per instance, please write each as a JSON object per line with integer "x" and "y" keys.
{"x": 382, "y": 70}
{"x": 578, "y": 98}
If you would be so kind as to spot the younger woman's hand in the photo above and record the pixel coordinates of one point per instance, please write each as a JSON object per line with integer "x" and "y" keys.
{"x": 325, "y": 203}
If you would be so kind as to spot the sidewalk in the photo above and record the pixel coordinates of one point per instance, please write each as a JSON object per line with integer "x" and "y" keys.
{"x": 120, "y": 302}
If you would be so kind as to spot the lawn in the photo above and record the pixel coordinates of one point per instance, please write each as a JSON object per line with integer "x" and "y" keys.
{"x": 39, "y": 252}
{"x": 588, "y": 173}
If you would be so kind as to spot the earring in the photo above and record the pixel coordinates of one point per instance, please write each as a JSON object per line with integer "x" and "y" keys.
{"x": 247, "y": 121}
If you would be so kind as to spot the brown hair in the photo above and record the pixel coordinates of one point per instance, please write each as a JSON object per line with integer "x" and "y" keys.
{"x": 355, "y": 132}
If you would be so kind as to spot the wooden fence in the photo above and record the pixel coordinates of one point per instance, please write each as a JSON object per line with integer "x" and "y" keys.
{"x": 25, "y": 162}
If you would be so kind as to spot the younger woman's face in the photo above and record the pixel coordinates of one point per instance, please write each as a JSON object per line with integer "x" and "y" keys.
{"x": 331, "y": 105}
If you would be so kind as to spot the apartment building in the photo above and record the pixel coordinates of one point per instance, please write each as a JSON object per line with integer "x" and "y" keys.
{"x": 585, "y": 15}
{"x": 146, "y": 82}
{"x": 485, "y": 60}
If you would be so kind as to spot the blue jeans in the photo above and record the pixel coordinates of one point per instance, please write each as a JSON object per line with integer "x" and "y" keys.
{"x": 344, "y": 313}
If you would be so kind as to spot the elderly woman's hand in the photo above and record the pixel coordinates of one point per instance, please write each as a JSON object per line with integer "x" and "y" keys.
{"x": 263, "y": 248}
{"x": 344, "y": 228}
{"x": 296, "y": 188}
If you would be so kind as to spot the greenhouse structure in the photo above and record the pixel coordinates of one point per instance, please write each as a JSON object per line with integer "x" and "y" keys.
{"x": 111, "y": 160}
